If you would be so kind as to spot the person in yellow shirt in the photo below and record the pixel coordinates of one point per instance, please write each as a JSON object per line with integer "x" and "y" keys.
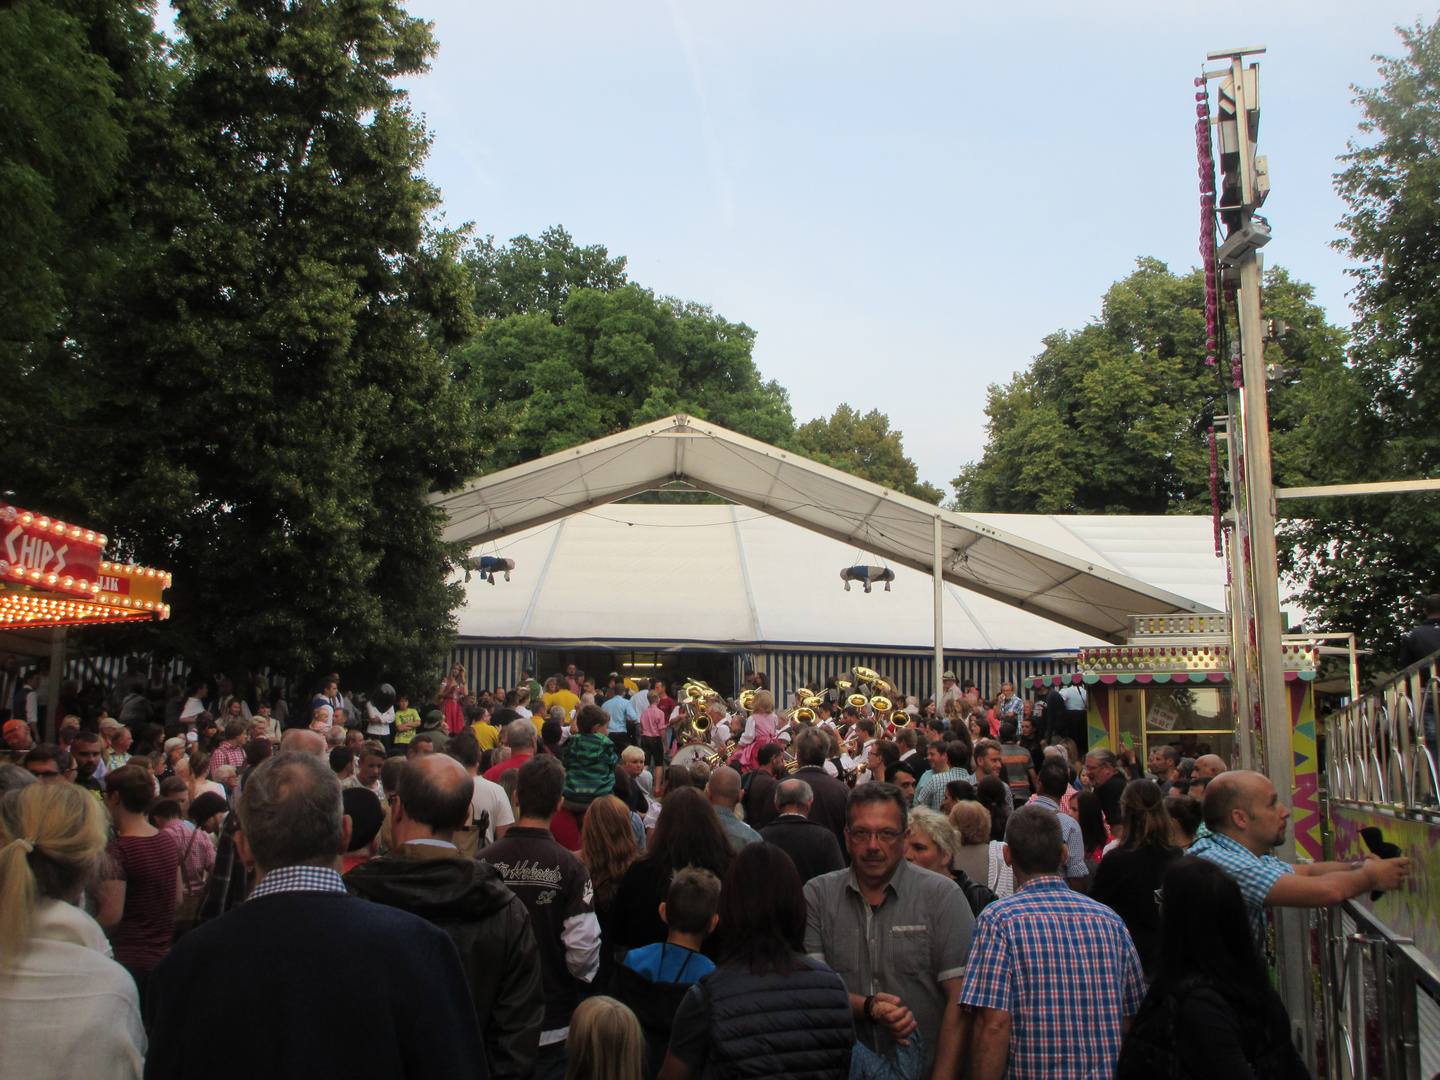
{"x": 486, "y": 733}
{"x": 555, "y": 694}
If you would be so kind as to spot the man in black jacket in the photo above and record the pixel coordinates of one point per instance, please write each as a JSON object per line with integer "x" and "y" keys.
{"x": 425, "y": 874}
{"x": 811, "y": 847}
{"x": 829, "y": 793}
{"x": 350, "y": 988}
{"x": 1423, "y": 639}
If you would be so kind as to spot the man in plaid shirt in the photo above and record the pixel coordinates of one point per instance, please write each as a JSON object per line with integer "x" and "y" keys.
{"x": 232, "y": 750}
{"x": 1044, "y": 1008}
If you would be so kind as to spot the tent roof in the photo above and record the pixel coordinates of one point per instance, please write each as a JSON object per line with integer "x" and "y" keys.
{"x": 666, "y": 576}
{"x": 1075, "y": 589}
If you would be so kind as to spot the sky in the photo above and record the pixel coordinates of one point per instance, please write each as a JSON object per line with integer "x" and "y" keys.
{"x": 900, "y": 199}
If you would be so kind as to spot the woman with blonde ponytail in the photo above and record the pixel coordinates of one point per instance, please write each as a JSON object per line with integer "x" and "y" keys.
{"x": 66, "y": 1008}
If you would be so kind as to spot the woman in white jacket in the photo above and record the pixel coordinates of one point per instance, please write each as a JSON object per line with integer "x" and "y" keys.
{"x": 54, "y": 959}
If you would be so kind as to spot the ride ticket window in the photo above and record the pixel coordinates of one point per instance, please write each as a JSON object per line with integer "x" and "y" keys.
{"x": 1195, "y": 719}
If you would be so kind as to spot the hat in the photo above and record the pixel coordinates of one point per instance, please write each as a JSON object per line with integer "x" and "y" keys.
{"x": 14, "y": 725}
{"x": 434, "y": 718}
{"x": 207, "y": 806}
{"x": 365, "y": 813}
{"x": 947, "y": 675}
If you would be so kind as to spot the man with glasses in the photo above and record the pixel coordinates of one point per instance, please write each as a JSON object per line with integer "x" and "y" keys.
{"x": 898, "y": 935}
{"x": 43, "y": 762}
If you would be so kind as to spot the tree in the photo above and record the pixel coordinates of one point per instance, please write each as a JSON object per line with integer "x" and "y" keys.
{"x": 529, "y": 276}
{"x": 1367, "y": 562}
{"x": 866, "y": 446}
{"x": 612, "y": 360}
{"x": 269, "y": 403}
{"x": 77, "y": 77}
{"x": 1114, "y": 418}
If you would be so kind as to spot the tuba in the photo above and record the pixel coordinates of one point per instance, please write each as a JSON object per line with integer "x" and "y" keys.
{"x": 804, "y": 715}
{"x": 745, "y": 699}
{"x": 858, "y": 700}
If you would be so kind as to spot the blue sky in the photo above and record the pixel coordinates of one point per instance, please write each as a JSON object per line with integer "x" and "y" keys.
{"x": 901, "y": 199}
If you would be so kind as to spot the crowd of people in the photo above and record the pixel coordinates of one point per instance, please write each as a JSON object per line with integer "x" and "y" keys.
{"x": 569, "y": 881}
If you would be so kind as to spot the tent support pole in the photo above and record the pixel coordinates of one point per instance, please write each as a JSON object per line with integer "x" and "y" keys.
{"x": 939, "y": 577}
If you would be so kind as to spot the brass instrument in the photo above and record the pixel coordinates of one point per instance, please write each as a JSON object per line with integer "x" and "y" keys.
{"x": 865, "y": 675}
{"x": 858, "y": 700}
{"x": 804, "y": 715}
{"x": 881, "y": 704}
{"x": 745, "y": 698}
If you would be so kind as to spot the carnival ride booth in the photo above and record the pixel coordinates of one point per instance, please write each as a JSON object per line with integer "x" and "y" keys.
{"x": 1173, "y": 684}
{"x": 53, "y": 575}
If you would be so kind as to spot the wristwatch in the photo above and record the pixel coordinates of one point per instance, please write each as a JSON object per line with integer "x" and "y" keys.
{"x": 869, "y": 1009}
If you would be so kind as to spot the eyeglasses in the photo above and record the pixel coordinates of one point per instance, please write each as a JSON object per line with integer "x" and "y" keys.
{"x": 885, "y": 836}
{"x": 1159, "y": 896}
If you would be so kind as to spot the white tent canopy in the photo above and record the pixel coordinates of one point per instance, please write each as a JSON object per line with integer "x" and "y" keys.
{"x": 667, "y": 576}
{"x": 1075, "y": 589}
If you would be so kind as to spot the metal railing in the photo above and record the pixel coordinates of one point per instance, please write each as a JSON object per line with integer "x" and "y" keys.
{"x": 1378, "y": 1015}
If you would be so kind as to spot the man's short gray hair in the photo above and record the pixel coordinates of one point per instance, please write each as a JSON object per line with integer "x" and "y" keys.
{"x": 1101, "y": 756}
{"x": 793, "y": 793}
{"x": 291, "y": 812}
{"x": 1037, "y": 845}
{"x": 520, "y": 734}
{"x": 1058, "y": 751}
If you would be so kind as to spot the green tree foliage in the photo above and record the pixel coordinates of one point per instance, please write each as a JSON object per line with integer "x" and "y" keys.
{"x": 265, "y": 399}
{"x": 1114, "y": 418}
{"x": 1367, "y": 562}
{"x": 529, "y": 276}
{"x": 77, "y": 77}
{"x": 613, "y": 359}
{"x": 866, "y": 446}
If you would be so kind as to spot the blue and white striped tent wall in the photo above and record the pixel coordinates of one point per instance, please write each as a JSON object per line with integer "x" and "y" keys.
{"x": 914, "y": 673}
{"x": 489, "y": 665}
{"x": 106, "y": 670}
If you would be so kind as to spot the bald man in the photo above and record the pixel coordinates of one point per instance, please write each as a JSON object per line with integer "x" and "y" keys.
{"x": 723, "y": 791}
{"x": 426, "y": 875}
{"x": 304, "y": 741}
{"x": 1245, "y": 820}
{"x": 1209, "y": 766}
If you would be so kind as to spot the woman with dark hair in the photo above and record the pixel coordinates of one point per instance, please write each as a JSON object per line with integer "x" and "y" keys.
{"x": 1128, "y": 877}
{"x": 767, "y": 1010}
{"x": 994, "y": 794}
{"x": 687, "y": 833}
{"x": 143, "y": 884}
{"x": 1185, "y": 817}
{"x": 1086, "y": 810}
{"x": 1211, "y": 1010}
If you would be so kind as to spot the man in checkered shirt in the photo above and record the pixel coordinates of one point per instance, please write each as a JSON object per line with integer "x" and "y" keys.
{"x": 1043, "y": 1008}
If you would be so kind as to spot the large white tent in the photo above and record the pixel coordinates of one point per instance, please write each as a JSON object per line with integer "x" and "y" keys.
{"x": 668, "y": 576}
{"x": 760, "y": 578}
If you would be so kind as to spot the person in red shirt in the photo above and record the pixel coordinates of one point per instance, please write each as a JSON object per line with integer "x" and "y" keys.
{"x": 519, "y": 736}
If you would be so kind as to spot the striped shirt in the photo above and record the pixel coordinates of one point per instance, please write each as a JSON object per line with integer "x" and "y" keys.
{"x": 1063, "y": 966}
{"x": 148, "y": 865}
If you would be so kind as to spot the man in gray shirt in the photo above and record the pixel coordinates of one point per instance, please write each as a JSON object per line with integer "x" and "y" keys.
{"x": 898, "y": 935}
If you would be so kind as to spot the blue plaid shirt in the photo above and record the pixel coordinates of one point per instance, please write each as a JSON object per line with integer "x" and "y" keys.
{"x": 299, "y": 879}
{"x": 1063, "y": 966}
{"x": 1255, "y": 874}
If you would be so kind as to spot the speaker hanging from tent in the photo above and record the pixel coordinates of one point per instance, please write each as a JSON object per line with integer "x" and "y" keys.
{"x": 867, "y": 576}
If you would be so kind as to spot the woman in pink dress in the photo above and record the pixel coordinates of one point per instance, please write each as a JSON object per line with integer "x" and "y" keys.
{"x": 759, "y": 729}
{"x": 452, "y": 693}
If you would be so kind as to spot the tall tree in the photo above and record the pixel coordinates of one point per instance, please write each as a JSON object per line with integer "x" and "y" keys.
{"x": 270, "y": 401}
{"x": 1113, "y": 418}
{"x": 866, "y": 446}
{"x": 529, "y": 276}
{"x": 613, "y": 360}
{"x": 1367, "y": 562}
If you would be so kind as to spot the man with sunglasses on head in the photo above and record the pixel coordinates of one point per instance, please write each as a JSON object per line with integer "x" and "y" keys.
{"x": 897, "y": 934}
